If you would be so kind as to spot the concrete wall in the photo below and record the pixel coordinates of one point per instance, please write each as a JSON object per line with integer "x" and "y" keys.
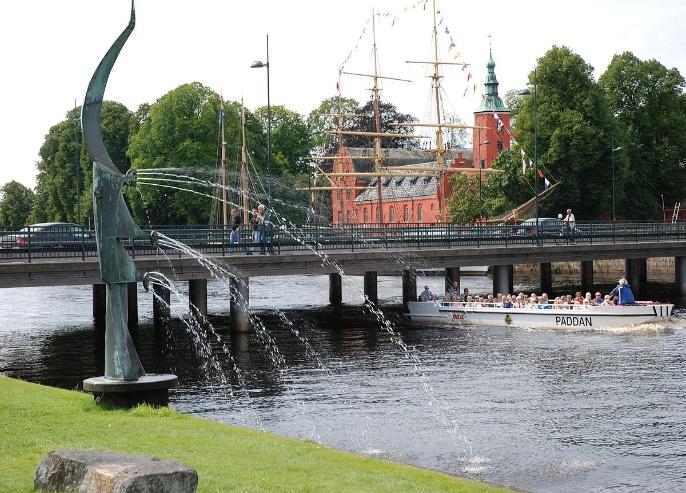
{"x": 662, "y": 265}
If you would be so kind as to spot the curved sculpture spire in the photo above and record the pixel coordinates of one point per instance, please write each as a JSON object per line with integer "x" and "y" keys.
{"x": 92, "y": 104}
{"x": 113, "y": 224}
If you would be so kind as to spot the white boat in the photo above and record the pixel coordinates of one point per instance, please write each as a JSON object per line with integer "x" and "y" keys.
{"x": 540, "y": 316}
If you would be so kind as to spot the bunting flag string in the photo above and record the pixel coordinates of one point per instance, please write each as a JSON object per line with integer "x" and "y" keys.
{"x": 354, "y": 48}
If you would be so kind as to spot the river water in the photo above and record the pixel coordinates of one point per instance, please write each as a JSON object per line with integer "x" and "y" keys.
{"x": 541, "y": 410}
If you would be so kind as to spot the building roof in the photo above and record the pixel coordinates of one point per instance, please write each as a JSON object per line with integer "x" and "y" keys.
{"x": 401, "y": 187}
{"x": 394, "y": 157}
{"x": 491, "y": 101}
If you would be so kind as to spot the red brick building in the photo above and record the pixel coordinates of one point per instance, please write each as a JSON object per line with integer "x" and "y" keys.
{"x": 416, "y": 199}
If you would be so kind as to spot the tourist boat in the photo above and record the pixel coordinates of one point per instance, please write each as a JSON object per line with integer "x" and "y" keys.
{"x": 548, "y": 316}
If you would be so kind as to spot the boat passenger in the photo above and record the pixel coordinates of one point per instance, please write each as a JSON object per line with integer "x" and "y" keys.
{"x": 544, "y": 301}
{"x": 426, "y": 295}
{"x": 624, "y": 293}
{"x": 608, "y": 301}
{"x": 465, "y": 294}
{"x": 454, "y": 289}
{"x": 507, "y": 301}
{"x": 598, "y": 300}
{"x": 490, "y": 300}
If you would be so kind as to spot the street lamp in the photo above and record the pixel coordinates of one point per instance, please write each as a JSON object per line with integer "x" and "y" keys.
{"x": 613, "y": 180}
{"x": 482, "y": 163}
{"x": 259, "y": 64}
{"x": 526, "y": 92}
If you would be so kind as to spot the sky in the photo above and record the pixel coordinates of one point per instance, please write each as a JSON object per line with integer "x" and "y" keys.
{"x": 50, "y": 49}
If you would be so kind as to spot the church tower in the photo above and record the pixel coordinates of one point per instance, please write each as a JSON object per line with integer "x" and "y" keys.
{"x": 488, "y": 142}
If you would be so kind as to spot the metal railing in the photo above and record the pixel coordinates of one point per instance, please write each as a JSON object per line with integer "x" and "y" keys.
{"x": 72, "y": 242}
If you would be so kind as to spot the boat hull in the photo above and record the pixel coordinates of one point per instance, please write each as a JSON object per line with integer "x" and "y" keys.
{"x": 575, "y": 317}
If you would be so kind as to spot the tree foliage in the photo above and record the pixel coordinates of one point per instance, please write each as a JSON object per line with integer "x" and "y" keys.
{"x": 16, "y": 201}
{"x": 291, "y": 143}
{"x": 389, "y": 115}
{"x": 572, "y": 128}
{"x": 64, "y": 160}
{"x": 465, "y": 204}
{"x": 648, "y": 102}
{"x": 324, "y": 118}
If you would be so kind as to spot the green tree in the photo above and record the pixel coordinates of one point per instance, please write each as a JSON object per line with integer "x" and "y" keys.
{"x": 364, "y": 122}
{"x": 65, "y": 161}
{"x": 324, "y": 118}
{"x": 16, "y": 201}
{"x": 291, "y": 143}
{"x": 511, "y": 187}
{"x": 648, "y": 102}
{"x": 464, "y": 205}
{"x": 178, "y": 132}
{"x": 574, "y": 128}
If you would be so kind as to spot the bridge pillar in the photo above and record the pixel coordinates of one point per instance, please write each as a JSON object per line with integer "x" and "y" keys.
{"x": 99, "y": 303}
{"x": 452, "y": 274}
{"x": 635, "y": 272}
{"x": 680, "y": 275}
{"x": 370, "y": 287}
{"x": 587, "y": 276}
{"x": 503, "y": 279}
{"x": 336, "y": 288}
{"x": 197, "y": 296}
{"x": 546, "y": 271}
{"x": 240, "y": 304}
{"x": 161, "y": 312}
{"x": 132, "y": 295}
{"x": 409, "y": 286}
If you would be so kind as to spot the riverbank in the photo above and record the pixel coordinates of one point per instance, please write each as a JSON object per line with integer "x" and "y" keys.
{"x": 37, "y": 419}
{"x": 657, "y": 265}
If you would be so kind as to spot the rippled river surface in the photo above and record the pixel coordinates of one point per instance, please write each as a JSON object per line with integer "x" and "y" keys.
{"x": 540, "y": 410}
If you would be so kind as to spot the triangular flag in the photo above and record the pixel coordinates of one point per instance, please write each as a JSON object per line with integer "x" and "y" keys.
{"x": 546, "y": 183}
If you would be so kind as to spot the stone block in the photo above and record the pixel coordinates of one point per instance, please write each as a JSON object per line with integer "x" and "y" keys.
{"x": 112, "y": 472}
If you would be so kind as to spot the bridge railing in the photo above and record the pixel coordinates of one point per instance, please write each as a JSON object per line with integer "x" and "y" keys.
{"x": 72, "y": 242}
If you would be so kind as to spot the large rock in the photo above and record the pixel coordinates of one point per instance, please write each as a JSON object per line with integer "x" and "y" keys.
{"x": 112, "y": 472}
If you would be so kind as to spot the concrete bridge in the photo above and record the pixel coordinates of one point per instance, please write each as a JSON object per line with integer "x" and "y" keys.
{"x": 397, "y": 251}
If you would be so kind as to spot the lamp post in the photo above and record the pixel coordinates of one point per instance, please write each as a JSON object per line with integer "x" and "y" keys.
{"x": 613, "y": 179}
{"x": 482, "y": 163}
{"x": 259, "y": 64}
{"x": 527, "y": 92}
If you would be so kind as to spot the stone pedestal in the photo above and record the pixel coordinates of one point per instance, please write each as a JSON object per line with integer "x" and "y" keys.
{"x": 452, "y": 274}
{"x": 587, "y": 277}
{"x": 409, "y": 281}
{"x": 197, "y": 296}
{"x": 680, "y": 275}
{"x": 148, "y": 389}
{"x": 370, "y": 287}
{"x": 503, "y": 277}
{"x": 91, "y": 471}
{"x": 335, "y": 289}
{"x": 240, "y": 304}
{"x": 546, "y": 272}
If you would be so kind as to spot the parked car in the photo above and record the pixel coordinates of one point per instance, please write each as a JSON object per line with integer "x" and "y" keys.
{"x": 48, "y": 235}
{"x": 548, "y": 227}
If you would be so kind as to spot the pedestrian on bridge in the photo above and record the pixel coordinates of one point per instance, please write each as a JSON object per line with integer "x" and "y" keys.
{"x": 235, "y": 235}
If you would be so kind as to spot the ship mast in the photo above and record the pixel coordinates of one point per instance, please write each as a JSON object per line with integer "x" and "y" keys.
{"x": 440, "y": 150}
{"x": 223, "y": 174}
{"x": 377, "y": 124}
{"x": 244, "y": 169}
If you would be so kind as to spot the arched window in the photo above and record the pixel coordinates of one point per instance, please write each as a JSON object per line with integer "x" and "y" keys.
{"x": 340, "y": 217}
{"x": 406, "y": 214}
{"x": 347, "y": 217}
{"x": 377, "y": 218}
{"x": 391, "y": 214}
{"x": 348, "y": 195}
{"x": 419, "y": 213}
{"x": 366, "y": 215}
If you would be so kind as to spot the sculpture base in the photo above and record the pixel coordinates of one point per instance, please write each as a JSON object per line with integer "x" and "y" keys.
{"x": 148, "y": 389}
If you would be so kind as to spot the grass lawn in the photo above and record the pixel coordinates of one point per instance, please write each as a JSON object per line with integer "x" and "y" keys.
{"x": 35, "y": 419}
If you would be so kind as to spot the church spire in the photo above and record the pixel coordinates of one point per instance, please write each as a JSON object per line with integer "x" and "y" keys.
{"x": 491, "y": 101}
